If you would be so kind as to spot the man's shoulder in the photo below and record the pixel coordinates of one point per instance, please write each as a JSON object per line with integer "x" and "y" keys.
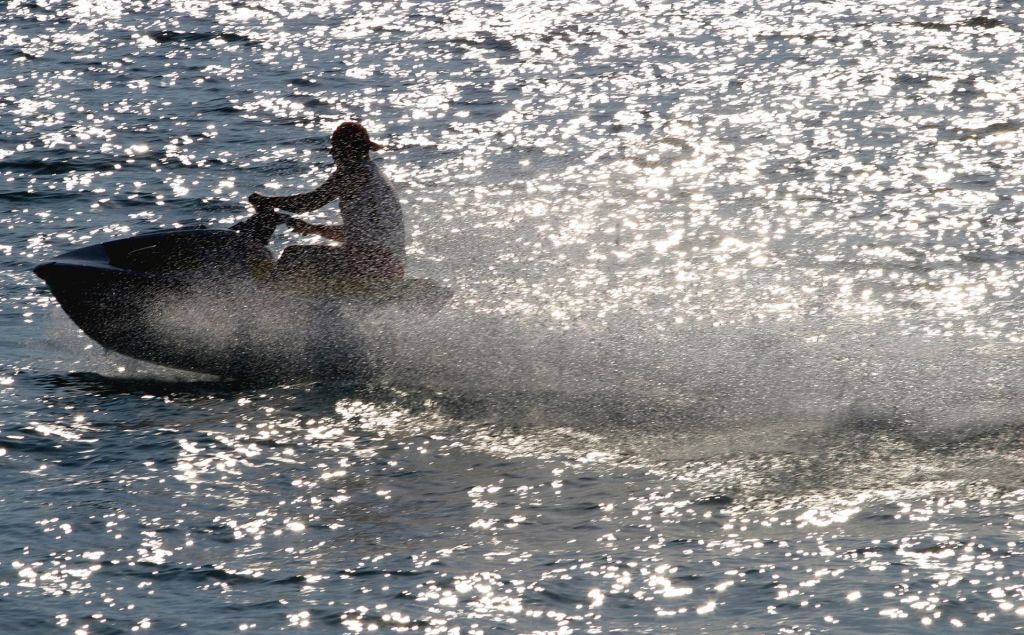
{"x": 360, "y": 168}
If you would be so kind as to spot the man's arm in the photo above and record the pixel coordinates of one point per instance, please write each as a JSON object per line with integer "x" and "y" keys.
{"x": 300, "y": 203}
{"x": 330, "y": 232}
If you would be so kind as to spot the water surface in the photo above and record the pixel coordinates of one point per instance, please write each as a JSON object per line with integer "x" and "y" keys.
{"x": 735, "y": 344}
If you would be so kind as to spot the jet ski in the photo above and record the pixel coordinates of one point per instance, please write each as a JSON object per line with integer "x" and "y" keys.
{"x": 216, "y": 301}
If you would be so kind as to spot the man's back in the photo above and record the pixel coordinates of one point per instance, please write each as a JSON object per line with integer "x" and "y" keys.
{"x": 371, "y": 213}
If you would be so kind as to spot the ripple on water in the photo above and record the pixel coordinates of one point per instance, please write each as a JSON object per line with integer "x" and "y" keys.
{"x": 735, "y": 343}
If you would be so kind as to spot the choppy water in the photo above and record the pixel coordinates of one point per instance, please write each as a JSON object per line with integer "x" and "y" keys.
{"x": 736, "y": 343}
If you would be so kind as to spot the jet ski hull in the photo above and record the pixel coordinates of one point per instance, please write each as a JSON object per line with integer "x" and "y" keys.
{"x": 208, "y": 301}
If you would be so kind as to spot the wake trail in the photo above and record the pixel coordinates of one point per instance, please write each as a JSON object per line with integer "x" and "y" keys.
{"x": 626, "y": 373}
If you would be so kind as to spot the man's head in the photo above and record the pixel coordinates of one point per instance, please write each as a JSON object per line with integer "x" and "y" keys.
{"x": 351, "y": 139}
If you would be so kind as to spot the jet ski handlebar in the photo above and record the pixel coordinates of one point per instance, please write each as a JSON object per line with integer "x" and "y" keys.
{"x": 262, "y": 224}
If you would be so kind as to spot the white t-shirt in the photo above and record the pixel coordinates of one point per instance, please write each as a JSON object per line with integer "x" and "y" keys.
{"x": 371, "y": 216}
{"x": 370, "y": 212}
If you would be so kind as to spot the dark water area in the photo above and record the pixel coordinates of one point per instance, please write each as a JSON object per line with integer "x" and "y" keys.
{"x": 735, "y": 343}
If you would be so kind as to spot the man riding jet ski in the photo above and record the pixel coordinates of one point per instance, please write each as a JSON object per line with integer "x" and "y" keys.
{"x": 217, "y": 301}
{"x": 372, "y": 233}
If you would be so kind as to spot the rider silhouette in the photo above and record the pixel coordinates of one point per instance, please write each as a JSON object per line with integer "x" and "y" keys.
{"x": 371, "y": 233}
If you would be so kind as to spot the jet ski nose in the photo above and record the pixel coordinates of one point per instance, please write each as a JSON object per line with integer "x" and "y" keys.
{"x": 45, "y": 270}
{"x": 63, "y": 274}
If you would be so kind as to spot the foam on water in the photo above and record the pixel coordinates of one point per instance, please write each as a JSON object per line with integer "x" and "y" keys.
{"x": 791, "y": 376}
